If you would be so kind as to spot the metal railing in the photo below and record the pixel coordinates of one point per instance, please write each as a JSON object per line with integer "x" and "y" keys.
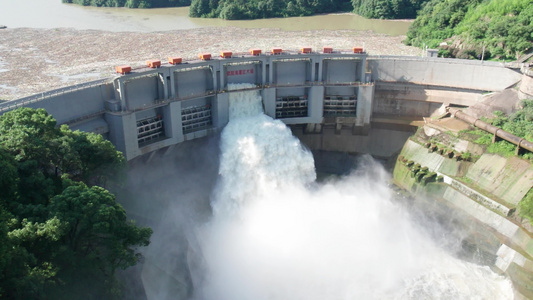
{"x": 149, "y": 129}
{"x": 196, "y": 118}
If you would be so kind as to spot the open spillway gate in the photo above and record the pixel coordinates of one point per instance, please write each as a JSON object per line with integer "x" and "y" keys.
{"x": 174, "y": 103}
{"x": 339, "y": 100}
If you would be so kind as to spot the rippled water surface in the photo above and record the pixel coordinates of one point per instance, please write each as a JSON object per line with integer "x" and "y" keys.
{"x": 54, "y": 14}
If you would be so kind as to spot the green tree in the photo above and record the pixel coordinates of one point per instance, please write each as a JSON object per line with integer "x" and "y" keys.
{"x": 499, "y": 28}
{"x": 25, "y": 267}
{"x": 8, "y": 177}
{"x": 98, "y": 238}
{"x": 131, "y": 3}
{"x": 33, "y": 138}
{"x": 27, "y": 133}
{"x": 253, "y": 9}
{"x": 62, "y": 235}
{"x": 387, "y": 9}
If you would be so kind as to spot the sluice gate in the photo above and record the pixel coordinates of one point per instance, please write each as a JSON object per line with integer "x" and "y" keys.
{"x": 337, "y": 99}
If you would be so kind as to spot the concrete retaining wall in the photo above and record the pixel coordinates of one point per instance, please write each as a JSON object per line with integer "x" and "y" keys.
{"x": 457, "y": 73}
{"x": 490, "y": 173}
{"x": 507, "y": 178}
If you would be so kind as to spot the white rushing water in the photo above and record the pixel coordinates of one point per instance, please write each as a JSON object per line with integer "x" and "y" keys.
{"x": 275, "y": 234}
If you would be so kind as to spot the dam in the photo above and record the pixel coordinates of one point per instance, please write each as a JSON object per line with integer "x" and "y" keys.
{"x": 344, "y": 101}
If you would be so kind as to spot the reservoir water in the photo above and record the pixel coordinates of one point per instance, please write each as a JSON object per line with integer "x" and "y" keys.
{"x": 54, "y": 14}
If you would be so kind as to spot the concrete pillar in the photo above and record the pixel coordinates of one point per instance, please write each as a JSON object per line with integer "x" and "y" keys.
{"x": 220, "y": 110}
{"x": 320, "y": 66}
{"x": 172, "y": 121}
{"x": 365, "y": 97}
{"x": 312, "y": 62}
{"x": 362, "y": 74}
{"x": 223, "y": 77}
{"x": 271, "y": 72}
{"x": 316, "y": 104}
{"x": 263, "y": 72}
{"x": 121, "y": 89}
{"x": 123, "y": 133}
{"x": 214, "y": 74}
{"x": 163, "y": 80}
{"x": 269, "y": 101}
{"x": 172, "y": 83}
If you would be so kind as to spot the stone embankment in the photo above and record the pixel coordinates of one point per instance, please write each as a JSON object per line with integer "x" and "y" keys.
{"x": 438, "y": 163}
{"x": 38, "y": 60}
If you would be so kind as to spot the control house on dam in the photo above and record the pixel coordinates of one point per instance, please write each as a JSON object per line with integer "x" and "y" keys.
{"x": 333, "y": 100}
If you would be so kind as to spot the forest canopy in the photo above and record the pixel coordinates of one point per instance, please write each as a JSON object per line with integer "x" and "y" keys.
{"x": 257, "y": 9}
{"x": 254, "y": 9}
{"x": 131, "y": 3}
{"x": 62, "y": 235}
{"x": 501, "y": 29}
{"x": 387, "y": 9}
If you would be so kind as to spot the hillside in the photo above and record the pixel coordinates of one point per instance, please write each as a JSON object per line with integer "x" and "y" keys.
{"x": 492, "y": 29}
{"x": 256, "y": 9}
{"x": 387, "y": 9}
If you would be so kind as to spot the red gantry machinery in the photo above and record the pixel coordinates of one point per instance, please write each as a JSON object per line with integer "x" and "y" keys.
{"x": 255, "y": 52}
{"x": 175, "y": 60}
{"x": 204, "y": 56}
{"x": 225, "y": 54}
{"x": 153, "y": 63}
{"x": 123, "y": 69}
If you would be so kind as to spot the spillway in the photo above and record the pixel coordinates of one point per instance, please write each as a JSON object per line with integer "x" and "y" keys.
{"x": 168, "y": 122}
{"x": 276, "y": 233}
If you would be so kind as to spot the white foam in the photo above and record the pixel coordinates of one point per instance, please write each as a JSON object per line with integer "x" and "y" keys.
{"x": 275, "y": 235}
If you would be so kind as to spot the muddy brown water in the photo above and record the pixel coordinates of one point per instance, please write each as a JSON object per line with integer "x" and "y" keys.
{"x": 54, "y": 14}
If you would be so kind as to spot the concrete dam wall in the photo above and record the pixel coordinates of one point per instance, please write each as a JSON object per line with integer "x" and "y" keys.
{"x": 347, "y": 102}
{"x": 343, "y": 102}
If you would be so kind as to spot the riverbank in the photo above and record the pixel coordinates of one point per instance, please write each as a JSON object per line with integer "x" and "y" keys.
{"x": 38, "y": 60}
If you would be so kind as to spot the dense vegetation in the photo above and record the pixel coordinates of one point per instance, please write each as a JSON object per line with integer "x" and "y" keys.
{"x": 501, "y": 29}
{"x": 131, "y": 3}
{"x": 387, "y": 9}
{"x": 519, "y": 123}
{"x": 62, "y": 235}
{"x": 255, "y": 9}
